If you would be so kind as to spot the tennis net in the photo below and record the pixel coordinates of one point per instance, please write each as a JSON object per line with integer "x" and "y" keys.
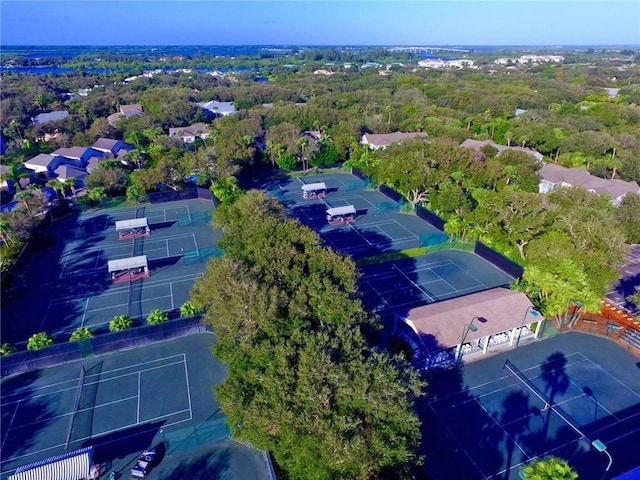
{"x": 516, "y": 373}
{"x": 76, "y": 407}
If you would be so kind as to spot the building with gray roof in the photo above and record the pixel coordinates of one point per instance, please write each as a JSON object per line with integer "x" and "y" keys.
{"x": 43, "y": 118}
{"x": 554, "y": 176}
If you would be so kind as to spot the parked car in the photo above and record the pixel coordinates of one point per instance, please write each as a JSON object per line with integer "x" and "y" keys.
{"x": 143, "y": 465}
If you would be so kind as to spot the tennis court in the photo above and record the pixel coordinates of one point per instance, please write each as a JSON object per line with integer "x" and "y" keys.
{"x": 125, "y": 402}
{"x": 403, "y": 284}
{"x": 553, "y": 397}
{"x": 379, "y": 226}
{"x": 72, "y": 278}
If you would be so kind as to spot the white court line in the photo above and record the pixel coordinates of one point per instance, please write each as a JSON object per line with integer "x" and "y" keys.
{"x": 10, "y": 423}
{"x": 138, "y": 407}
{"x": 119, "y": 289}
{"x": 429, "y": 297}
{"x": 46, "y": 314}
{"x": 171, "y": 290}
{"x": 186, "y": 376}
{"x": 95, "y": 266}
{"x": 195, "y": 242}
{"x": 167, "y": 246}
{"x": 84, "y": 314}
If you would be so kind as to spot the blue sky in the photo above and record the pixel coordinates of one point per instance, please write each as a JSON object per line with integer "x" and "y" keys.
{"x": 324, "y": 22}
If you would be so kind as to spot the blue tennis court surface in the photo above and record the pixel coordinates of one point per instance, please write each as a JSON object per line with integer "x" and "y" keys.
{"x": 72, "y": 279}
{"x": 403, "y": 284}
{"x": 495, "y": 423}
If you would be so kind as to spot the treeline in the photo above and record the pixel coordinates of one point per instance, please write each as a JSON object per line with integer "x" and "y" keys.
{"x": 571, "y": 241}
{"x": 303, "y": 382}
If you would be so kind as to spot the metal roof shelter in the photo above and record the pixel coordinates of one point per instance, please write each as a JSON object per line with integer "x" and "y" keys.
{"x": 128, "y": 263}
{"x": 131, "y": 224}
{"x": 313, "y": 187}
{"x": 135, "y": 227}
{"x": 74, "y": 465}
{"x": 340, "y": 211}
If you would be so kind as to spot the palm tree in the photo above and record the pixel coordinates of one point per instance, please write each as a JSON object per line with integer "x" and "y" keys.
{"x": 57, "y": 186}
{"x": 14, "y": 173}
{"x": 15, "y": 125}
{"x": 71, "y": 183}
{"x": 25, "y": 197}
{"x": 39, "y": 101}
{"x": 6, "y": 231}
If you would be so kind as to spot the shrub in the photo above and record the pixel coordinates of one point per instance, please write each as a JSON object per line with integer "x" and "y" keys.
{"x": 548, "y": 468}
{"x": 120, "y": 323}
{"x": 81, "y": 333}
{"x": 188, "y": 309}
{"x": 6, "y": 349}
{"x": 39, "y": 341}
{"x": 157, "y": 316}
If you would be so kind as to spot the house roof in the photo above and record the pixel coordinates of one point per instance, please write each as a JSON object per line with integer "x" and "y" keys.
{"x": 581, "y": 177}
{"x": 131, "y": 110}
{"x": 477, "y": 145}
{"x": 40, "y": 160}
{"x": 196, "y": 129}
{"x": 440, "y": 324}
{"x": 69, "y": 171}
{"x": 93, "y": 162}
{"x": 73, "y": 152}
{"x": 114, "y": 117}
{"x": 50, "y": 116}
{"x": 221, "y": 108}
{"x": 384, "y": 139}
{"x": 110, "y": 145}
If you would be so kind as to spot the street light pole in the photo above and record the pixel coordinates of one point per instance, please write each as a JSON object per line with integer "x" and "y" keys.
{"x": 534, "y": 313}
{"x": 602, "y": 448}
{"x": 465, "y": 332}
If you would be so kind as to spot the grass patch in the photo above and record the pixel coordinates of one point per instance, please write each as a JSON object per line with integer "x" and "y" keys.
{"x": 388, "y": 257}
{"x": 414, "y": 252}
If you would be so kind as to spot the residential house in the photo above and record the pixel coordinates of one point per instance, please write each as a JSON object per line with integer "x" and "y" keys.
{"x": 126, "y": 111}
{"x": 43, "y": 118}
{"x": 380, "y": 141}
{"x": 65, "y": 172}
{"x": 112, "y": 148}
{"x": 76, "y": 156}
{"x": 43, "y": 163}
{"x": 478, "y": 145}
{"x": 191, "y": 133}
{"x": 554, "y": 176}
{"x": 219, "y": 109}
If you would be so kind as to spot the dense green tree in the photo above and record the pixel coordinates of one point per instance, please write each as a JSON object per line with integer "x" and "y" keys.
{"x": 302, "y": 383}
{"x": 628, "y": 217}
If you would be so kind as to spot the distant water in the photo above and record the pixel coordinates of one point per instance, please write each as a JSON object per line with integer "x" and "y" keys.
{"x": 228, "y": 50}
{"x": 147, "y": 51}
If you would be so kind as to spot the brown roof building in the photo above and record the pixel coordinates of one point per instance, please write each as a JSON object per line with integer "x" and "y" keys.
{"x": 477, "y": 145}
{"x": 498, "y": 316}
{"x": 554, "y": 176}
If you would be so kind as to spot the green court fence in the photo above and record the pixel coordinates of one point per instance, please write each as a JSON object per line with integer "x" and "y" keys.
{"x": 355, "y": 185}
{"x": 196, "y": 218}
{"x": 433, "y": 239}
{"x": 187, "y": 438}
{"x": 202, "y": 255}
{"x": 387, "y": 207}
{"x": 102, "y": 343}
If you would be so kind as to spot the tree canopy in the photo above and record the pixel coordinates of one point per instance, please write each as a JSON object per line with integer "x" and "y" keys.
{"x": 303, "y": 381}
